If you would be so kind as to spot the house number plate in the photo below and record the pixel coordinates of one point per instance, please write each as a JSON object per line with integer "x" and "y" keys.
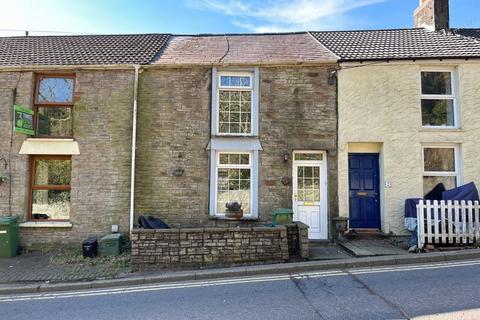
{"x": 3, "y": 231}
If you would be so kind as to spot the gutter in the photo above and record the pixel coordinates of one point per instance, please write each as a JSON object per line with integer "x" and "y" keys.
{"x": 134, "y": 147}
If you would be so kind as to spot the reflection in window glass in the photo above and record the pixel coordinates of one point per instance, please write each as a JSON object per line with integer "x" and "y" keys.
{"x": 439, "y": 166}
{"x": 437, "y": 112}
{"x": 234, "y": 111}
{"x": 51, "y": 204}
{"x": 50, "y": 188}
{"x": 54, "y": 121}
{"x": 235, "y": 81}
{"x": 233, "y": 181}
{"x": 309, "y": 156}
{"x": 308, "y": 183}
{"x": 59, "y": 90}
{"x": 52, "y": 172}
{"x": 429, "y": 182}
{"x": 439, "y": 159}
{"x": 437, "y": 83}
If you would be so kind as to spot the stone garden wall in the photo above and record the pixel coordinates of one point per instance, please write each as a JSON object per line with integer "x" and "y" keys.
{"x": 202, "y": 247}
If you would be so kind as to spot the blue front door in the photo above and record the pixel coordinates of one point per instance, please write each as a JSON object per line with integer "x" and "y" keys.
{"x": 364, "y": 192}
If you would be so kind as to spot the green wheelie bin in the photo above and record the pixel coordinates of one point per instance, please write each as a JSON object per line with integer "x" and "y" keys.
{"x": 8, "y": 237}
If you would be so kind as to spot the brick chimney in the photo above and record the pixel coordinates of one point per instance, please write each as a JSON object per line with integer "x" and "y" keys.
{"x": 432, "y": 15}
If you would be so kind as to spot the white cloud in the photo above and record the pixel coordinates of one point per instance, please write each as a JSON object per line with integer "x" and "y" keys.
{"x": 283, "y": 15}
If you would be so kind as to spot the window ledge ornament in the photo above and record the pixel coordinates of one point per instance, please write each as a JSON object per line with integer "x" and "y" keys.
{"x": 35, "y": 146}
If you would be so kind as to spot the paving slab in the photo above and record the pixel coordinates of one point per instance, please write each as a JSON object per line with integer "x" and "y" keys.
{"x": 327, "y": 251}
{"x": 371, "y": 247}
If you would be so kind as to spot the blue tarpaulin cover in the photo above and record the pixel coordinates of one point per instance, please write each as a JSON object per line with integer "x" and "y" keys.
{"x": 467, "y": 192}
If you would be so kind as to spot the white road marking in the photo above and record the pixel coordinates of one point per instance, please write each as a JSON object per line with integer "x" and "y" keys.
{"x": 232, "y": 281}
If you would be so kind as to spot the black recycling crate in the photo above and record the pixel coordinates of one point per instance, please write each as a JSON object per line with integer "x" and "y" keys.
{"x": 90, "y": 247}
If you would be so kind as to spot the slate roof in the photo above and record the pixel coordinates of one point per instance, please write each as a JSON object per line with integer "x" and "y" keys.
{"x": 472, "y": 33}
{"x": 397, "y": 44}
{"x": 244, "y": 49}
{"x": 80, "y": 50}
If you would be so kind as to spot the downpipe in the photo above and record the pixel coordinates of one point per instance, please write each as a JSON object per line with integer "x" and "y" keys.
{"x": 134, "y": 148}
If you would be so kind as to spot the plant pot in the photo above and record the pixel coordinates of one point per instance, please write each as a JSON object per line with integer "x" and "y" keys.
{"x": 234, "y": 214}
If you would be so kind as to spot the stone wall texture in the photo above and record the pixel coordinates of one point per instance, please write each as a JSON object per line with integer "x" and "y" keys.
{"x": 202, "y": 247}
{"x": 297, "y": 112}
{"x": 381, "y": 104}
{"x": 102, "y": 121}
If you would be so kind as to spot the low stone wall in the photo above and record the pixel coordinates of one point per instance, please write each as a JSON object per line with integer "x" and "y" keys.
{"x": 202, "y": 247}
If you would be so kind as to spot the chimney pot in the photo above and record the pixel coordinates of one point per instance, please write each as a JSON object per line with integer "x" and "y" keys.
{"x": 432, "y": 15}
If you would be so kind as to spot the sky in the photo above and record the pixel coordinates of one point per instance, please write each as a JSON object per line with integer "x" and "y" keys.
{"x": 49, "y": 17}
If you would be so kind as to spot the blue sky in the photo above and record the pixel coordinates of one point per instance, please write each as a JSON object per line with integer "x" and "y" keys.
{"x": 216, "y": 16}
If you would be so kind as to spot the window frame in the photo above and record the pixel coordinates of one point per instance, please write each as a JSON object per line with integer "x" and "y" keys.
{"x": 33, "y": 187}
{"x": 452, "y": 96}
{"x": 234, "y": 166}
{"x": 37, "y": 104}
{"x": 457, "y": 159}
{"x": 253, "y": 88}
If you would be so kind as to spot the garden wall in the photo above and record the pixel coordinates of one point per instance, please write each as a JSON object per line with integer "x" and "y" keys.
{"x": 202, "y": 247}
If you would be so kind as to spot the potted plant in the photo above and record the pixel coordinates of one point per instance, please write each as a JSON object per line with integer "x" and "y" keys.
{"x": 234, "y": 210}
{"x": 3, "y": 178}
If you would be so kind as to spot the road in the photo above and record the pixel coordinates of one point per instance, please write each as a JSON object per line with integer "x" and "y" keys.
{"x": 407, "y": 292}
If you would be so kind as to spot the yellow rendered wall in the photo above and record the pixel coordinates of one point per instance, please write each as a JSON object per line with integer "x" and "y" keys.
{"x": 381, "y": 104}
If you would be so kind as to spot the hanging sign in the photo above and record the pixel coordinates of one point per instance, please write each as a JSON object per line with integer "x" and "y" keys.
{"x": 22, "y": 120}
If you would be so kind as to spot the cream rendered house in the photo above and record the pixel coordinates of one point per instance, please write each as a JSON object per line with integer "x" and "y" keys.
{"x": 409, "y": 115}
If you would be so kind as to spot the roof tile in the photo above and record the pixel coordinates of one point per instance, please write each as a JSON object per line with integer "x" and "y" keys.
{"x": 80, "y": 50}
{"x": 397, "y": 44}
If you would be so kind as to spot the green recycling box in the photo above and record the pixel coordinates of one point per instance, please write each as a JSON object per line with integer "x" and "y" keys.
{"x": 8, "y": 237}
{"x": 282, "y": 216}
{"x": 111, "y": 244}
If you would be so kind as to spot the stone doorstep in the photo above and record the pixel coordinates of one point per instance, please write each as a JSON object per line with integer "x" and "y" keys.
{"x": 368, "y": 248}
{"x": 282, "y": 268}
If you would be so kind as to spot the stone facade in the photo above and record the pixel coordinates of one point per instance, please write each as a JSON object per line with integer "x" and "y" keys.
{"x": 388, "y": 96}
{"x": 201, "y": 247}
{"x": 100, "y": 182}
{"x": 297, "y": 112}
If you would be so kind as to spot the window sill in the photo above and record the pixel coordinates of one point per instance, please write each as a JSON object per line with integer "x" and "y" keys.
{"x": 441, "y": 129}
{"x": 233, "y": 219}
{"x": 45, "y": 224}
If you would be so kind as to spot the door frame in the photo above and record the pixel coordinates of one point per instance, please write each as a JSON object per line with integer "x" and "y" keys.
{"x": 378, "y": 181}
{"x": 323, "y": 216}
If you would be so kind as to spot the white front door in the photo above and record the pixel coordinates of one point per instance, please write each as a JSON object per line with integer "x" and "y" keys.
{"x": 310, "y": 191}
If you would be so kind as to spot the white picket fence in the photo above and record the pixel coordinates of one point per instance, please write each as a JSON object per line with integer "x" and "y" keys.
{"x": 448, "y": 222}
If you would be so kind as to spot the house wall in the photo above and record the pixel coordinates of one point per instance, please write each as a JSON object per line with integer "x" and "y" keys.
{"x": 100, "y": 180}
{"x": 297, "y": 112}
{"x": 381, "y": 104}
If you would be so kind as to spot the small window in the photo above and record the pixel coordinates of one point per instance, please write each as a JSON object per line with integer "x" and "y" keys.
{"x": 308, "y": 156}
{"x": 235, "y": 95}
{"x": 234, "y": 173}
{"x": 438, "y": 99}
{"x": 53, "y": 106}
{"x": 439, "y": 166}
{"x": 50, "y": 188}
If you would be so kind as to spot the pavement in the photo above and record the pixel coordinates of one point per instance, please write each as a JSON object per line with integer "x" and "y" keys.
{"x": 424, "y": 291}
{"x": 284, "y": 268}
{"x": 38, "y": 267}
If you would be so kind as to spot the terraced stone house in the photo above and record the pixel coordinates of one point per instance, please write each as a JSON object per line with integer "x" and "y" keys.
{"x": 201, "y": 120}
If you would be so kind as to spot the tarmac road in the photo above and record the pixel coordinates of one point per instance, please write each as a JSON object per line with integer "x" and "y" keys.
{"x": 400, "y": 292}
